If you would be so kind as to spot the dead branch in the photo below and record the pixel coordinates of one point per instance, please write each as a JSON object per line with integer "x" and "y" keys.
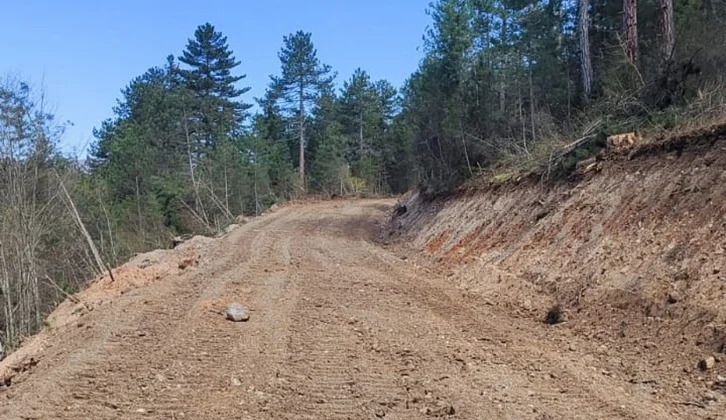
{"x": 102, "y": 267}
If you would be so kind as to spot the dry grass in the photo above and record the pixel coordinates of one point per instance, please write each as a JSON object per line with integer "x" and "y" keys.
{"x": 705, "y": 111}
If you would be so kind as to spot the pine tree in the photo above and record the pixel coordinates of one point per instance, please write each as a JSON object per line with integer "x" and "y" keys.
{"x": 303, "y": 78}
{"x": 328, "y": 170}
{"x": 272, "y": 162}
{"x": 210, "y": 63}
{"x": 358, "y": 103}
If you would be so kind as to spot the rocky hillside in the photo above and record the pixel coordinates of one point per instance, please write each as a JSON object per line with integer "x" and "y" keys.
{"x": 631, "y": 255}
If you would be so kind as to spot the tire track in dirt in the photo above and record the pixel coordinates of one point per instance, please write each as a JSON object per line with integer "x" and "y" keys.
{"x": 341, "y": 328}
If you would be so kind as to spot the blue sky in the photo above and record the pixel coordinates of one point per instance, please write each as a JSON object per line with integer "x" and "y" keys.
{"x": 83, "y": 52}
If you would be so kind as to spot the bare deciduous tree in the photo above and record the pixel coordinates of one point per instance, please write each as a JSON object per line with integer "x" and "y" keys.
{"x": 38, "y": 238}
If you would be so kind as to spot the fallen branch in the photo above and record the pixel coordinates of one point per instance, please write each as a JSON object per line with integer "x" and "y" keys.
{"x": 196, "y": 215}
{"x": 60, "y": 289}
{"x": 101, "y": 265}
{"x": 67, "y": 295}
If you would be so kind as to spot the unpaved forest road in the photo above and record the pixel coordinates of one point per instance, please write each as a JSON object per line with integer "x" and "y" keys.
{"x": 341, "y": 328}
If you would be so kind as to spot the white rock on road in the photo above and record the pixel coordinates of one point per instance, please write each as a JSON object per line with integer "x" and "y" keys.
{"x": 237, "y": 313}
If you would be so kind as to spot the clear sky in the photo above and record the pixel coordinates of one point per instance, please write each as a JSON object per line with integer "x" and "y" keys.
{"x": 83, "y": 52}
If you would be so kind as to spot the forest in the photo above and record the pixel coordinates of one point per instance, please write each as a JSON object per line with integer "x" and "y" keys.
{"x": 501, "y": 87}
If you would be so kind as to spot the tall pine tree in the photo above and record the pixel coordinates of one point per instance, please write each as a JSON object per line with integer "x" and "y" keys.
{"x": 210, "y": 63}
{"x": 358, "y": 103}
{"x": 302, "y": 80}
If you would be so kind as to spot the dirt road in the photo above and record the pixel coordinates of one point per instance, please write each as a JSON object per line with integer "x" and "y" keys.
{"x": 342, "y": 327}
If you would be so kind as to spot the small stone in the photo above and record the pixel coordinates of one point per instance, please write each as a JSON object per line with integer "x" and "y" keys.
{"x": 707, "y": 363}
{"x": 710, "y": 396}
{"x": 441, "y": 410}
{"x": 237, "y": 313}
{"x": 602, "y": 350}
{"x": 235, "y": 381}
{"x": 380, "y": 413}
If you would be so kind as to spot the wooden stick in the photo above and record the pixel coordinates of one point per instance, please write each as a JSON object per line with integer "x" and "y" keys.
{"x": 60, "y": 289}
{"x": 101, "y": 265}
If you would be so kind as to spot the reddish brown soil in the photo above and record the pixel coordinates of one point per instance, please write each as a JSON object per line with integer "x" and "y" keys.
{"x": 635, "y": 256}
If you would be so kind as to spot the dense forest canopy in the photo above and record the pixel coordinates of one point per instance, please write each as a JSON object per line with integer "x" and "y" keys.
{"x": 502, "y": 84}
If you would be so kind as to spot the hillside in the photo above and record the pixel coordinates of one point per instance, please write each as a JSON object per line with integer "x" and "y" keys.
{"x": 632, "y": 255}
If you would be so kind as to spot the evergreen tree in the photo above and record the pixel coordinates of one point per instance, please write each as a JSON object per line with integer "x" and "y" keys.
{"x": 329, "y": 170}
{"x": 298, "y": 87}
{"x": 367, "y": 111}
{"x": 210, "y": 64}
{"x": 358, "y": 103}
{"x": 273, "y": 171}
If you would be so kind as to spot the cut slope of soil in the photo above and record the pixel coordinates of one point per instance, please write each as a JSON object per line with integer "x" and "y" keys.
{"x": 635, "y": 255}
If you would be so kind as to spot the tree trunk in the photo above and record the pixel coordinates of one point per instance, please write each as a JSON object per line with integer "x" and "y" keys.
{"x": 301, "y": 122}
{"x": 502, "y": 96}
{"x": 5, "y": 288}
{"x": 226, "y": 189}
{"x": 630, "y": 25}
{"x": 138, "y": 206}
{"x": 361, "y": 131}
{"x": 521, "y": 116}
{"x": 531, "y": 108}
{"x": 503, "y": 83}
{"x": 199, "y": 206}
{"x": 666, "y": 29}
{"x": 585, "y": 58}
